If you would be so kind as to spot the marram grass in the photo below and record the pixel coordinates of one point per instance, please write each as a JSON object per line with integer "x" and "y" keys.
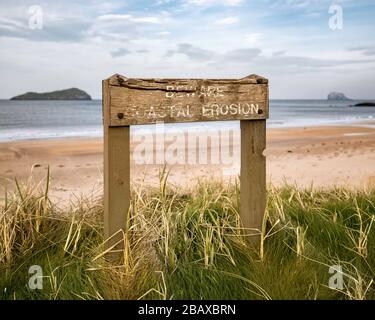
{"x": 190, "y": 245}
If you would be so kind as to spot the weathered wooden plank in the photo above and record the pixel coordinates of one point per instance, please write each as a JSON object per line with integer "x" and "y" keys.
{"x": 253, "y": 176}
{"x": 145, "y": 101}
{"x": 116, "y": 175}
{"x": 119, "y": 80}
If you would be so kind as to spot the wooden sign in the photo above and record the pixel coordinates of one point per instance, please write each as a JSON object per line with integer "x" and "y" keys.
{"x": 129, "y": 101}
{"x": 145, "y": 101}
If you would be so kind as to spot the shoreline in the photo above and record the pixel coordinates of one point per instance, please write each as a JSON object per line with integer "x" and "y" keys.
{"x": 325, "y": 156}
{"x": 367, "y": 123}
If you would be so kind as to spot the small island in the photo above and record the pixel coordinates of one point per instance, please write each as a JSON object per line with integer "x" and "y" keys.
{"x": 67, "y": 94}
{"x": 365, "y": 104}
{"x": 337, "y": 96}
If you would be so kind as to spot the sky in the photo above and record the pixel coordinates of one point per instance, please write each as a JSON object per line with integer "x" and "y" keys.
{"x": 306, "y": 48}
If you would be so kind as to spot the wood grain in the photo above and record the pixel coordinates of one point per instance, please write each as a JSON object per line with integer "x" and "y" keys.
{"x": 146, "y": 101}
{"x": 116, "y": 177}
{"x": 253, "y": 177}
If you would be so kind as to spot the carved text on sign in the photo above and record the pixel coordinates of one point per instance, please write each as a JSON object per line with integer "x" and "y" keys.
{"x": 146, "y": 101}
{"x": 185, "y": 111}
{"x": 183, "y": 91}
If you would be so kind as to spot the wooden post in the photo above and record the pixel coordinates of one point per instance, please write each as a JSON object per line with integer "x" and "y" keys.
{"x": 253, "y": 176}
{"x": 116, "y": 175}
{"x": 128, "y": 101}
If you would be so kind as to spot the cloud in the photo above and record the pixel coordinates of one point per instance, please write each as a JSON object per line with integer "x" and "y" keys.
{"x": 301, "y": 64}
{"x": 192, "y": 52}
{"x": 164, "y": 33}
{"x": 69, "y": 29}
{"x": 278, "y": 60}
{"x": 199, "y": 54}
{"x": 127, "y": 18}
{"x": 231, "y": 3}
{"x": 125, "y": 27}
{"x": 77, "y": 25}
{"x": 163, "y": 2}
{"x": 279, "y": 53}
{"x": 299, "y": 3}
{"x": 11, "y": 24}
{"x": 242, "y": 55}
{"x": 120, "y": 52}
{"x": 228, "y": 20}
{"x": 367, "y": 51}
{"x": 253, "y": 38}
{"x": 89, "y": 38}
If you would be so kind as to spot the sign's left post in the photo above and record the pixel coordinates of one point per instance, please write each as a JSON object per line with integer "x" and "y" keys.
{"x": 116, "y": 177}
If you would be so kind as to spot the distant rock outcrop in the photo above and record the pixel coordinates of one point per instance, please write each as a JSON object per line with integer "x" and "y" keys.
{"x": 337, "y": 96}
{"x": 365, "y": 104}
{"x": 68, "y": 94}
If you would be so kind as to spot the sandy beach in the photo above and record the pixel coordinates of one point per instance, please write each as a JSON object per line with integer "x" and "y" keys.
{"x": 322, "y": 156}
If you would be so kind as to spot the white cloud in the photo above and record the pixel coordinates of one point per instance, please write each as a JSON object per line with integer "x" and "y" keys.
{"x": 192, "y": 52}
{"x": 11, "y": 24}
{"x": 164, "y": 33}
{"x": 253, "y": 38}
{"x": 130, "y": 18}
{"x": 231, "y": 3}
{"x": 299, "y": 3}
{"x": 228, "y": 20}
{"x": 162, "y": 2}
{"x": 126, "y": 27}
{"x": 120, "y": 52}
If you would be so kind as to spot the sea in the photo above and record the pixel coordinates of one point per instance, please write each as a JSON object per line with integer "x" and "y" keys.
{"x": 30, "y": 120}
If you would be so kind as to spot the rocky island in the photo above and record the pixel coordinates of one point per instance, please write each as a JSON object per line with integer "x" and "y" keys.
{"x": 337, "y": 96}
{"x": 365, "y": 104}
{"x": 67, "y": 94}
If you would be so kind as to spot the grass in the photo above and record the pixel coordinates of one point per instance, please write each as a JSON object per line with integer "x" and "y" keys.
{"x": 190, "y": 245}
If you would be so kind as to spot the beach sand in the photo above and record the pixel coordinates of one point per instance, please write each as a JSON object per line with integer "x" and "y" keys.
{"x": 323, "y": 156}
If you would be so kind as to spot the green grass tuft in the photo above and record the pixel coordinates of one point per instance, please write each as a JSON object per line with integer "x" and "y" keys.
{"x": 190, "y": 245}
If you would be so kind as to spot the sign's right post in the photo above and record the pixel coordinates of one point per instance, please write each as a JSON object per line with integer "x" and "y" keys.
{"x": 253, "y": 177}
